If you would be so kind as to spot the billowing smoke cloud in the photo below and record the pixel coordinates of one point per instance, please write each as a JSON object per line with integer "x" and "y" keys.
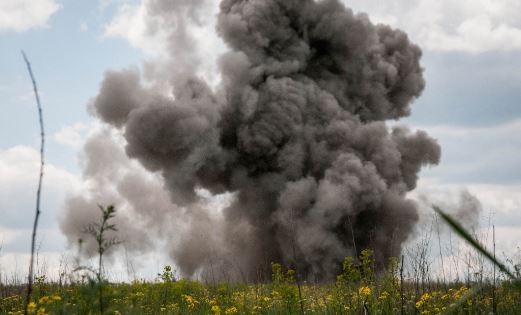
{"x": 296, "y": 132}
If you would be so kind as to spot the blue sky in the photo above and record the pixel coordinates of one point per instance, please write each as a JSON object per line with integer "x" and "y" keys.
{"x": 472, "y": 103}
{"x": 69, "y": 63}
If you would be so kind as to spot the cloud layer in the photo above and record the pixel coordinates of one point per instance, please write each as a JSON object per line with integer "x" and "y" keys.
{"x": 22, "y": 15}
{"x": 472, "y": 26}
{"x": 437, "y": 25}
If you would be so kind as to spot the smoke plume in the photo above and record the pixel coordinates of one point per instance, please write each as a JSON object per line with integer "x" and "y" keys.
{"x": 295, "y": 134}
{"x": 462, "y": 205}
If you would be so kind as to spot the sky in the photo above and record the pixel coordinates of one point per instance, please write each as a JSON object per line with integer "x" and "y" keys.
{"x": 471, "y": 104}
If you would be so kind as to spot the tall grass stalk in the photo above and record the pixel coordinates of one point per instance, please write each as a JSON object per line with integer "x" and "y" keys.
{"x": 40, "y": 180}
{"x": 472, "y": 241}
{"x": 453, "y": 309}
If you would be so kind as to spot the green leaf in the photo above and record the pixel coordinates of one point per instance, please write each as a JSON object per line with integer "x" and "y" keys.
{"x": 473, "y": 242}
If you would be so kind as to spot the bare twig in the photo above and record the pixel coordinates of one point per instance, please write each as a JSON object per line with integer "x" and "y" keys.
{"x": 401, "y": 289}
{"x": 494, "y": 302}
{"x": 441, "y": 254}
{"x": 352, "y": 235}
{"x": 40, "y": 179}
{"x": 297, "y": 278}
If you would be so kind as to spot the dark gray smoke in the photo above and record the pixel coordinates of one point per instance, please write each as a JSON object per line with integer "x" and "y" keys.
{"x": 296, "y": 131}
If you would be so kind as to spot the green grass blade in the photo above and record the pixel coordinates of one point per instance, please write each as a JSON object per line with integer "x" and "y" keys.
{"x": 473, "y": 242}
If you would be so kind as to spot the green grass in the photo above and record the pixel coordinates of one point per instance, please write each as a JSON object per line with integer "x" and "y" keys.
{"x": 357, "y": 290}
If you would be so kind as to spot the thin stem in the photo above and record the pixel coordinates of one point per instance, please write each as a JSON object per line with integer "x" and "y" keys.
{"x": 297, "y": 278}
{"x": 494, "y": 302}
{"x": 352, "y": 235}
{"x": 40, "y": 180}
{"x": 441, "y": 254}
{"x": 401, "y": 289}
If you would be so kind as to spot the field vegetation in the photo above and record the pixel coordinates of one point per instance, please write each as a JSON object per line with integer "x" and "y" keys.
{"x": 362, "y": 287}
{"x": 359, "y": 289}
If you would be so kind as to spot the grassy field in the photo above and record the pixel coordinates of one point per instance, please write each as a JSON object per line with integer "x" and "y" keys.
{"x": 357, "y": 290}
{"x": 364, "y": 286}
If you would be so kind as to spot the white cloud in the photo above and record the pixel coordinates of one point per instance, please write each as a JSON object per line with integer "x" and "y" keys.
{"x": 472, "y": 26}
{"x": 144, "y": 31}
{"x": 50, "y": 264}
{"x": 18, "y": 240}
{"x": 130, "y": 24}
{"x": 22, "y": 15}
{"x": 54, "y": 263}
{"x": 19, "y": 169}
{"x": 72, "y": 136}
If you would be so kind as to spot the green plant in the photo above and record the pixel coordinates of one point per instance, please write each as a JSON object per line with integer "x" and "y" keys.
{"x": 167, "y": 275}
{"x": 460, "y": 230}
{"x": 98, "y": 230}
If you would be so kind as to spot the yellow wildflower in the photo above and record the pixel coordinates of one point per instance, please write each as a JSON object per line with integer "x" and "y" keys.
{"x": 364, "y": 291}
{"x": 425, "y": 297}
{"x": 31, "y": 307}
{"x": 383, "y": 296}
{"x": 190, "y": 301}
{"x": 216, "y": 309}
{"x": 231, "y": 310}
{"x": 188, "y": 298}
{"x": 172, "y": 306}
